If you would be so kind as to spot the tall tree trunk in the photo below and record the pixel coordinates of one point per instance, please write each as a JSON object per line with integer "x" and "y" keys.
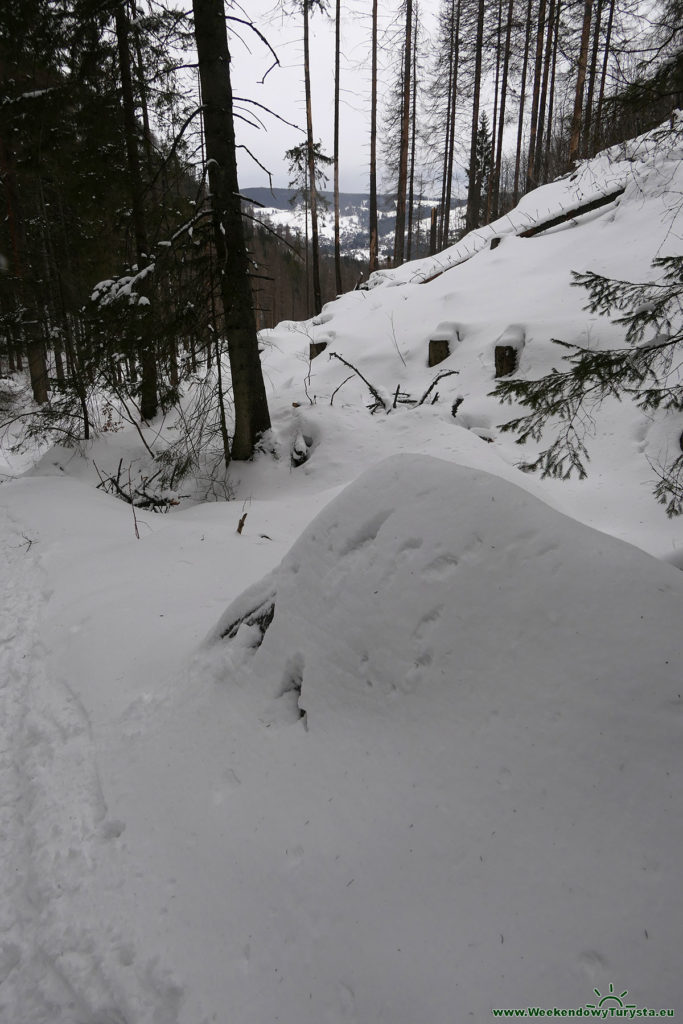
{"x": 494, "y": 122}
{"x": 542, "y": 122}
{"x": 451, "y": 147}
{"x": 535, "y": 100}
{"x": 37, "y": 367}
{"x": 551, "y": 97}
{"x": 337, "y": 248}
{"x": 374, "y": 240}
{"x": 142, "y": 86}
{"x": 501, "y": 120}
{"x": 474, "y": 186}
{"x": 452, "y": 142}
{"x": 597, "y": 129}
{"x": 249, "y": 394}
{"x": 399, "y": 237}
{"x": 148, "y": 388}
{"x": 448, "y": 140}
{"x": 522, "y": 93}
{"x": 413, "y": 134}
{"x": 315, "y": 250}
{"x": 580, "y": 80}
{"x": 592, "y": 75}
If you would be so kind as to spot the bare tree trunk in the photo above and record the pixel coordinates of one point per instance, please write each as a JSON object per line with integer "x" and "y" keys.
{"x": 522, "y": 91}
{"x": 494, "y": 122}
{"x": 451, "y": 146}
{"x": 551, "y": 99}
{"x": 592, "y": 75}
{"x": 337, "y": 251}
{"x": 413, "y": 133}
{"x": 37, "y": 367}
{"x": 147, "y": 131}
{"x": 374, "y": 241}
{"x": 580, "y": 79}
{"x": 448, "y": 140}
{"x": 474, "y": 187}
{"x": 531, "y": 167}
{"x": 315, "y": 250}
{"x": 501, "y": 121}
{"x": 249, "y": 394}
{"x": 148, "y": 388}
{"x": 603, "y": 77}
{"x": 399, "y": 237}
{"x": 544, "y": 91}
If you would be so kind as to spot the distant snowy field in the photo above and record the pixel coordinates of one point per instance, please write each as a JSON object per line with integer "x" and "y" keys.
{"x": 407, "y": 749}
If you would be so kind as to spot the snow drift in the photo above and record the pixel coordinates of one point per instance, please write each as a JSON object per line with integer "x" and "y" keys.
{"x": 491, "y": 694}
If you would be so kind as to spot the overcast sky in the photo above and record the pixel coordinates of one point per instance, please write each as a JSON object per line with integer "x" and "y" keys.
{"x": 283, "y": 89}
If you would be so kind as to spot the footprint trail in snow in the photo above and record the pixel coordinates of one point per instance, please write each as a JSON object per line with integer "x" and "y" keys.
{"x": 62, "y": 959}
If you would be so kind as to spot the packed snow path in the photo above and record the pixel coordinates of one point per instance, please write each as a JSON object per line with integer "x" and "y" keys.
{"x": 63, "y": 958}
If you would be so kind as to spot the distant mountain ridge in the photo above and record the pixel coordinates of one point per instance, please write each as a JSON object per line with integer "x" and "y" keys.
{"x": 281, "y": 198}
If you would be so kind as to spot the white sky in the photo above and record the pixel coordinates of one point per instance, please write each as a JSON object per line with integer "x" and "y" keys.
{"x": 283, "y": 90}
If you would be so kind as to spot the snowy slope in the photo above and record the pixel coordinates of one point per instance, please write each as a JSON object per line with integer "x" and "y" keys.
{"x": 489, "y": 762}
{"x": 524, "y": 283}
{"x": 481, "y": 805}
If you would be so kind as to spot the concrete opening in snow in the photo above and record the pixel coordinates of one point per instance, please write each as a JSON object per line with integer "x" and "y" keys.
{"x": 442, "y": 341}
{"x": 508, "y": 350}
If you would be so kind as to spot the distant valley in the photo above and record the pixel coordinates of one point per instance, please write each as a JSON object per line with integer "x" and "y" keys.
{"x": 276, "y": 208}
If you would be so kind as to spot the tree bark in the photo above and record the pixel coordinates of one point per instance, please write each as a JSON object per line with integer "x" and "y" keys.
{"x": 337, "y": 248}
{"x": 37, "y": 367}
{"x": 501, "y": 120}
{"x": 413, "y": 140}
{"x": 447, "y": 142}
{"x": 535, "y": 101}
{"x": 399, "y": 237}
{"x": 522, "y": 91}
{"x": 597, "y": 129}
{"x": 473, "y": 196}
{"x": 249, "y": 394}
{"x": 592, "y": 76}
{"x": 374, "y": 240}
{"x": 551, "y": 95}
{"x": 451, "y": 146}
{"x": 494, "y": 122}
{"x": 580, "y": 80}
{"x": 543, "y": 122}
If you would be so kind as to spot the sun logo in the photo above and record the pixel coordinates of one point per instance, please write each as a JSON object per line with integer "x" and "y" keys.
{"x": 612, "y": 997}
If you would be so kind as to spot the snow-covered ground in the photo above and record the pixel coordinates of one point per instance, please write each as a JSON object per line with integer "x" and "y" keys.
{"x": 409, "y": 747}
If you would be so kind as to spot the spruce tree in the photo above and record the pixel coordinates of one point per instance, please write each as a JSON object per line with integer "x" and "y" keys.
{"x": 644, "y": 370}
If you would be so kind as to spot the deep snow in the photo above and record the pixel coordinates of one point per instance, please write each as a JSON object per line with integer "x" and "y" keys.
{"x": 449, "y": 779}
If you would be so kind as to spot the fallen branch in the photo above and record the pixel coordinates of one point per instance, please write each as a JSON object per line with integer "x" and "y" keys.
{"x": 137, "y": 496}
{"x": 439, "y": 376}
{"x": 373, "y": 390}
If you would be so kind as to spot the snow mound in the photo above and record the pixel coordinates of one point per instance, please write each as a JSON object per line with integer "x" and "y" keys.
{"x": 495, "y": 690}
{"x": 422, "y": 573}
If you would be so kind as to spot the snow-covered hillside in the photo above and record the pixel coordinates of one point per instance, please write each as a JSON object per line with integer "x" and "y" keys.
{"x": 524, "y": 283}
{"x": 408, "y": 747}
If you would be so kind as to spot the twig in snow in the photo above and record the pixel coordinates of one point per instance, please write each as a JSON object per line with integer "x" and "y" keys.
{"x": 340, "y": 387}
{"x": 135, "y": 518}
{"x": 439, "y": 376}
{"x": 395, "y": 340}
{"x": 373, "y": 390}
